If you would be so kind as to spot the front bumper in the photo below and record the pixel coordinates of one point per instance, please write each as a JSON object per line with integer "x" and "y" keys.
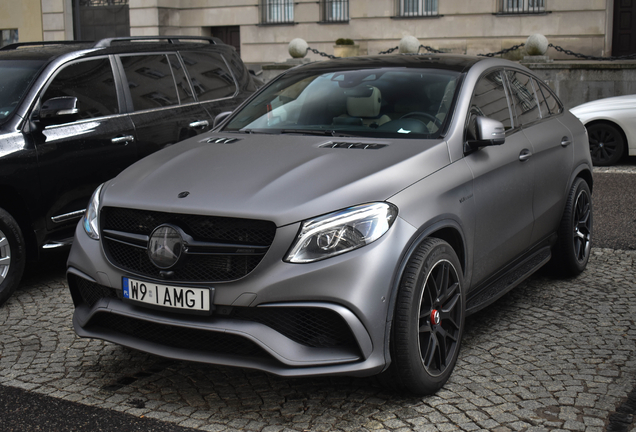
{"x": 324, "y": 318}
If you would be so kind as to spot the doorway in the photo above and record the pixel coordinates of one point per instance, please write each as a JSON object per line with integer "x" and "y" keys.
{"x": 230, "y": 35}
{"x": 624, "y": 34}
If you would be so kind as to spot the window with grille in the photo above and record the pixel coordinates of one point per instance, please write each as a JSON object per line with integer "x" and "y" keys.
{"x": 522, "y": 6}
{"x": 415, "y": 8}
{"x": 277, "y": 11}
{"x": 334, "y": 11}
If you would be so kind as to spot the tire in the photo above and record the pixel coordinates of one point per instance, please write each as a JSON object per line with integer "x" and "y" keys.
{"x": 573, "y": 248}
{"x": 12, "y": 256}
{"x": 606, "y": 144}
{"x": 429, "y": 320}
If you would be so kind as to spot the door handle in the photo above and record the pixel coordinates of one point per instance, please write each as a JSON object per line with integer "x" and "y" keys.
{"x": 565, "y": 141}
{"x": 123, "y": 139}
{"x": 525, "y": 155}
{"x": 200, "y": 124}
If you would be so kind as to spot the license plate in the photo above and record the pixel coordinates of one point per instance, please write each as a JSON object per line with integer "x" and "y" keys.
{"x": 153, "y": 294}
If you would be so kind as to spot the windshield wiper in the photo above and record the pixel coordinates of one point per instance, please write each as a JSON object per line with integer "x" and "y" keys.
{"x": 315, "y": 132}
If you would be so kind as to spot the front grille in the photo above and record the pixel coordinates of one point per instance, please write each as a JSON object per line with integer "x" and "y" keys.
{"x": 90, "y": 291}
{"x": 315, "y": 327}
{"x": 178, "y": 337}
{"x": 199, "y": 267}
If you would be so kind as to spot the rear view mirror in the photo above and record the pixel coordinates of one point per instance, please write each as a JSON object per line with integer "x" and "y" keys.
{"x": 489, "y": 132}
{"x": 62, "y": 108}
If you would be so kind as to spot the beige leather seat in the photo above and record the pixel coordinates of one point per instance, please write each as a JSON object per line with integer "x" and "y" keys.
{"x": 365, "y": 108}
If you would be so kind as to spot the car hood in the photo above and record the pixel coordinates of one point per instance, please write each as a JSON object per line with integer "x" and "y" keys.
{"x": 281, "y": 178}
{"x": 607, "y": 104}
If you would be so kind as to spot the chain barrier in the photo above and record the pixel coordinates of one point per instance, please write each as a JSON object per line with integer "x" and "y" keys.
{"x": 315, "y": 51}
{"x": 588, "y": 57}
{"x": 504, "y": 51}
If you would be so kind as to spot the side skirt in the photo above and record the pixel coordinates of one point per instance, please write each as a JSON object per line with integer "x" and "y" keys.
{"x": 492, "y": 290}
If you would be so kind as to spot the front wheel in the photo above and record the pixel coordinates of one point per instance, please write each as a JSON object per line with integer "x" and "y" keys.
{"x": 606, "y": 144}
{"x": 429, "y": 320}
{"x": 574, "y": 245}
{"x": 12, "y": 255}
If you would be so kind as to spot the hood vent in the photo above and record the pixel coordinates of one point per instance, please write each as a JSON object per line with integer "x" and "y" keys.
{"x": 223, "y": 140}
{"x": 351, "y": 145}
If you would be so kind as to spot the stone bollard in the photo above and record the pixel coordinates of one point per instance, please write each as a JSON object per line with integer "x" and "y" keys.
{"x": 298, "y": 48}
{"x": 409, "y": 45}
{"x": 536, "y": 47}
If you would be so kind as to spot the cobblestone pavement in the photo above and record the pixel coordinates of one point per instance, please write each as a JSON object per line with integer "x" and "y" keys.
{"x": 551, "y": 355}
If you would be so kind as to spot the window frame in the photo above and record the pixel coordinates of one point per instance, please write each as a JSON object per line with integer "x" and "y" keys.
{"x": 522, "y": 7}
{"x": 271, "y": 9}
{"x": 327, "y": 8}
{"x": 424, "y": 8}
{"x": 119, "y": 91}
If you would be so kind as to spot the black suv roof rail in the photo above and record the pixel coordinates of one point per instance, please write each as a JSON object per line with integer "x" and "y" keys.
{"x": 171, "y": 39}
{"x": 59, "y": 42}
{"x": 103, "y": 43}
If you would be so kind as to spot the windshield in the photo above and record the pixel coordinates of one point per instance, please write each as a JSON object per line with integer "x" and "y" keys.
{"x": 386, "y": 102}
{"x": 15, "y": 78}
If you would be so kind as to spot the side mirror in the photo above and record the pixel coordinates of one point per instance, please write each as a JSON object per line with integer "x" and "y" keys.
{"x": 56, "y": 108}
{"x": 219, "y": 118}
{"x": 489, "y": 133}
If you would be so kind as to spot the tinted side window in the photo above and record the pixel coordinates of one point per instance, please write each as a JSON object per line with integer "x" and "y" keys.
{"x": 523, "y": 97}
{"x": 92, "y": 83}
{"x": 543, "y": 106}
{"x": 552, "y": 103}
{"x": 210, "y": 76}
{"x": 150, "y": 81}
{"x": 489, "y": 100}
{"x": 183, "y": 86}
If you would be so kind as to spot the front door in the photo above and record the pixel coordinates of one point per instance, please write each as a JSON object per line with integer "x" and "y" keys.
{"x": 624, "y": 34}
{"x": 78, "y": 153}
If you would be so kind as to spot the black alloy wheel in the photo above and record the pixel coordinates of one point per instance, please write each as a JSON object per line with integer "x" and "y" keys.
{"x": 572, "y": 251}
{"x": 429, "y": 320}
{"x": 606, "y": 144}
{"x": 582, "y": 226}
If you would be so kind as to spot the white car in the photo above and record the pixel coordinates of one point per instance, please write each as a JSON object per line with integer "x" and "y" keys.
{"x": 611, "y": 126}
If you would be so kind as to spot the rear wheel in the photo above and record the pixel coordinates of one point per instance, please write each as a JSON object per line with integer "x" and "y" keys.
{"x": 12, "y": 255}
{"x": 575, "y": 232}
{"x": 429, "y": 320}
{"x": 606, "y": 144}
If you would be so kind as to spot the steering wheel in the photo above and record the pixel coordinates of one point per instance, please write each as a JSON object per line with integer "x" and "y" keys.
{"x": 427, "y": 116}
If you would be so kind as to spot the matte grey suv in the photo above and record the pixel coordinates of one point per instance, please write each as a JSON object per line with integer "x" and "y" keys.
{"x": 75, "y": 114}
{"x": 344, "y": 220}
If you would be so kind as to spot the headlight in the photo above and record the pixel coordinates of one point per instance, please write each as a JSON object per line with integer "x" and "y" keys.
{"x": 341, "y": 231}
{"x": 91, "y": 217}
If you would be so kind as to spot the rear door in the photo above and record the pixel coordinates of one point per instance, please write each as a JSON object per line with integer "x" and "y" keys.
{"x": 80, "y": 152}
{"x": 161, "y": 101}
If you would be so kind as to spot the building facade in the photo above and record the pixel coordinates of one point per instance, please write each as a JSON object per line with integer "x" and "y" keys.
{"x": 262, "y": 29}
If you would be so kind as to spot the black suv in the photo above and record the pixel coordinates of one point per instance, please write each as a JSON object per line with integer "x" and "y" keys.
{"x": 74, "y": 114}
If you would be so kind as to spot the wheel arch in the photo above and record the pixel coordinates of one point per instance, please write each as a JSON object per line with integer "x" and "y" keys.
{"x": 448, "y": 230}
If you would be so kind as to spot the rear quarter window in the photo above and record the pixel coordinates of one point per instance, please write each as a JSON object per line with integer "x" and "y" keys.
{"x": 211, "y": 78}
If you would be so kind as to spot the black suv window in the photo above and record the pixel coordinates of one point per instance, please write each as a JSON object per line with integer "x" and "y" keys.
{"x": 16, "y": 77}
{"x": 210, "y": 75}
{"x": 150, "y": 81}
{"x": 525, "y": 102}
{"x": 489, "y": 100}
{"x": 91, "y": 82}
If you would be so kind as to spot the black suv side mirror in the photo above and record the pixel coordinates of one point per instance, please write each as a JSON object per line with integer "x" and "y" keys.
{"x": 56, "y": 108}
{"x": 489, "y": 132}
